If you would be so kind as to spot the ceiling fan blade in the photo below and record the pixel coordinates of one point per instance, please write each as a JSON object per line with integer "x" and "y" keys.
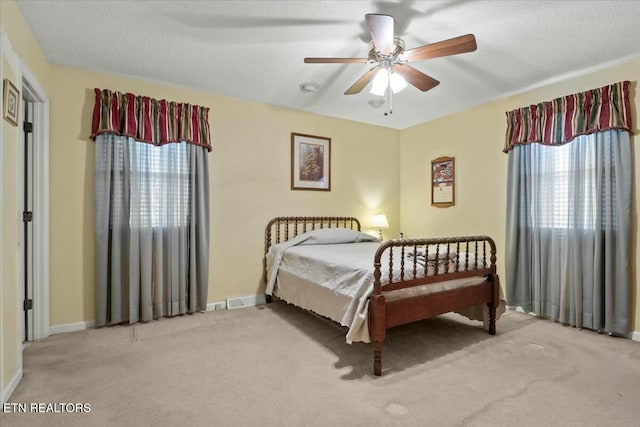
{"x": 415, "y": 77}
{"x": 362, "y": 81}
{"x": 334, "y": 60}
{"x": 461, "y": 44}
{"x": 381, "y": 29}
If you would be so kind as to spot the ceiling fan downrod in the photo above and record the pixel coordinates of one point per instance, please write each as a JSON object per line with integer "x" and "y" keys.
{"x": 388, "y": 94}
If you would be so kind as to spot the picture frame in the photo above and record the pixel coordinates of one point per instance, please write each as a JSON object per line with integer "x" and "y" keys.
{"x": 310, "y": 162}
{"x": 10, "y": 102}
{"x": 443, "y": 189}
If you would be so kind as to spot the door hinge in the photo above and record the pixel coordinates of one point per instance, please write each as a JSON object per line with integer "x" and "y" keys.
{"x": 27, "y": 216}
{"x": 27, "y": 127}
{"x": 27, "y": 304}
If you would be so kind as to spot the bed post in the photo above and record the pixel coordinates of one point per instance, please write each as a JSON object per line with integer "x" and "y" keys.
{"x": 495, "y": 290}
{"x": 377, "y": 315}
{"x": 377, "y": 330}
{"x": 495, "y": 300}
{"x": 267, "y": 245}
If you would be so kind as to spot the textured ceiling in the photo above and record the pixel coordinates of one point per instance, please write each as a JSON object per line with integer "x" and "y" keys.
{"x": 254, "y": 50}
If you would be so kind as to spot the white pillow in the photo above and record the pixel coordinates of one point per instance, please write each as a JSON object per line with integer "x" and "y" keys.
{"x": 327, "y": 236}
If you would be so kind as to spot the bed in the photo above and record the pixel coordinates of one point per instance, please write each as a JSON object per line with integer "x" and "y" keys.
{"x": 328, "y": 266}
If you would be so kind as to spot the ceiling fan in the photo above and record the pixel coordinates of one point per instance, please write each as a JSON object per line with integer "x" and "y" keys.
{"x": 387, "y": 51}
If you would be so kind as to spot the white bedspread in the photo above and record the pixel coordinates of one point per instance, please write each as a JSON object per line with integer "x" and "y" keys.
{"x": 322, "y": 272}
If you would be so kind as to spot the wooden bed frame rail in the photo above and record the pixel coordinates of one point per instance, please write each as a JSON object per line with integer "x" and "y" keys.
{"x": 435, "y": 252}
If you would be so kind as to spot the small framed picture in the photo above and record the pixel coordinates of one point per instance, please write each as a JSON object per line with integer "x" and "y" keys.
{"x": 10, "y": 102}
{"x": 443, "y": 182}
{"x": 310, "y": 162}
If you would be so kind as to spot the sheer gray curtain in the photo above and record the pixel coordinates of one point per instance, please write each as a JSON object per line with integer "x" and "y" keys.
{"x": 152, "y": 229}
{"x": 568, "y": 228}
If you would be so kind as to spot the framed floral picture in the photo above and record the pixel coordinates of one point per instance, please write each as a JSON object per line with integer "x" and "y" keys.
{"x": 10, "y": 102}
{"x": 310, "y": 162}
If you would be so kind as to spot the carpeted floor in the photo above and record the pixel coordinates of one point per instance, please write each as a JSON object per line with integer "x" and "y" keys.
{"x": 277, "y": 365}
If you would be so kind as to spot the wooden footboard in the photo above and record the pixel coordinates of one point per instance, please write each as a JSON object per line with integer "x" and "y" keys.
{"x": 403, "y": 264}
{"x": 428, "y": 262}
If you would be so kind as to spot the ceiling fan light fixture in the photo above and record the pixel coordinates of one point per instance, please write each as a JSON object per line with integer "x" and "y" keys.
{"x": 383, "y": 79}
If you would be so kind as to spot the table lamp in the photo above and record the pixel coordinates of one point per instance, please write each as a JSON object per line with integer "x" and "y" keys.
{"x": 380, "y": 222}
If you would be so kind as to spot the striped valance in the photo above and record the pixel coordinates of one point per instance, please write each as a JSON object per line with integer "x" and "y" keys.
{"x": 559, "y": 121}
{"x": 149, "y": 120}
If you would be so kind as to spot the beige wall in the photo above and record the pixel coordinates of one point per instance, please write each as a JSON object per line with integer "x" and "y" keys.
{"x": 476, "y": 138}
{"x": 249, "y": 182}
{"x": 9, "y": 297}
{"x": 19, "y": 47}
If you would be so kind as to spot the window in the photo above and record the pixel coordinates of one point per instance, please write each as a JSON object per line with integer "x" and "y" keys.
{"x": 151, "y": 206}
{"x": 159, "y": 184}
{"x": 162, "y": 175}
{"x": 566, "y": 179}
{"x": 569, "y": 208}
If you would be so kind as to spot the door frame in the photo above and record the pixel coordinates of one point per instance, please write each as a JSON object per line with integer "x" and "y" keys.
{"x": 25, "y": 202}
{"x": 40, "y": 248}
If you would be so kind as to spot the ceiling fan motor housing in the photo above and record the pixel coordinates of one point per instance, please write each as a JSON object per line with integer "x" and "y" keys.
{"x": 376, "y": 56}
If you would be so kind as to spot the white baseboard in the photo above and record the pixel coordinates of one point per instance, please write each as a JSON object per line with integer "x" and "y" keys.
{"x": 70, "y": 327}
{"x": 519, "y": 309}
{"x": 220, "y": 305}
{"x": 634, "y": 336}
{"x": 230, "y": 303}
{"x": 6, "y": 393}
{"x": 248, "y": 301}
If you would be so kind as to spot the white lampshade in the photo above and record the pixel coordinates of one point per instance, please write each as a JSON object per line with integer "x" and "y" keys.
{"x": 397, "y": 82}
{"x": 384, "y": 78}
{"x": 380, "y": 221}
{"x": 380, "y": 81}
